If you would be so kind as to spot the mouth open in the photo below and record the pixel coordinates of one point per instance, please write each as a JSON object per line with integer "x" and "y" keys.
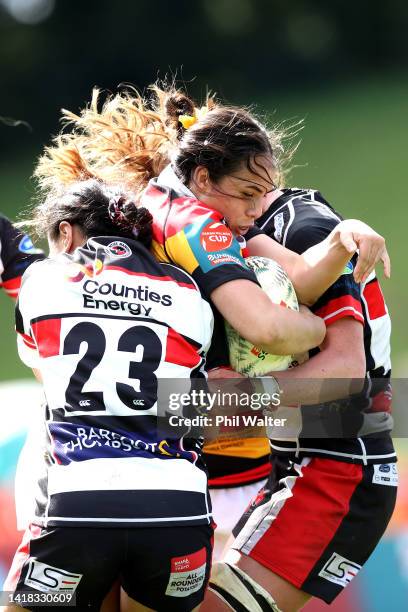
{"x": 242, "y": 229}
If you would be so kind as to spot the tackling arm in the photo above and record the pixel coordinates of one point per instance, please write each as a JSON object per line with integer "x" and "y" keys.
{"x": 341, "y": 357}
{"x": 317, "y": 268}
{"x": 267, "y": 325}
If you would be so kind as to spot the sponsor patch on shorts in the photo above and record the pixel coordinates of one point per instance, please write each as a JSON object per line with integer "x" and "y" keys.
{"x": 386, "y": 474}
{"x": 45, "y": 578}
{"x": 339, "y": 570}
{"x": 187, "y": 574}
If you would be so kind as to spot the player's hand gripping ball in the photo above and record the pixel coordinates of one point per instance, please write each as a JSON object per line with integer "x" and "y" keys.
{"x": 244, "y": 356}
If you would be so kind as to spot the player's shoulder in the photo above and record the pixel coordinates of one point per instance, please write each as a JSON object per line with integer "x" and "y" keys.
{"x": 38, "y": 269}
{"x": 175, "y": 206}
{"x": 305, "y": 202}
{"x": 297, "y": 209}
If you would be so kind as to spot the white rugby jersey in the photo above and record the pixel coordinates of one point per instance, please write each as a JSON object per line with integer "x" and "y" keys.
{"x": 103, "y": 326}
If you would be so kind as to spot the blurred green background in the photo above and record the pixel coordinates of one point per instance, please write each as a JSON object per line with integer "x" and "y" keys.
{"x": 342, "y": 67}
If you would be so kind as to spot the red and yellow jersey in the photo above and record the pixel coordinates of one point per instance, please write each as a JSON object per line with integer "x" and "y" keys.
{"x": 196, "y": 238}
{"x": 192, "y": 236}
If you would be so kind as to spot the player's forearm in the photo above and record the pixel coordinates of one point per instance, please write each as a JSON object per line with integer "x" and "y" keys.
{"x": 273, "y": 328}
{"x": 312, "y": 272}
{"x": 321, "y": 379}
{"x": 318, "y": 268}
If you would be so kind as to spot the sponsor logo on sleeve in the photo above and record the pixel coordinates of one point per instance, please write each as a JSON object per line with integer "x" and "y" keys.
{"x": 278, "y": 223}
{"x": 223, "y": 258}
{"x": 339, "y": 570}
{"x": 386, "y": 474}
{"x": 47, "y": 578}
{"x": 216, "y": 237}
{"x": 187, "y": 574}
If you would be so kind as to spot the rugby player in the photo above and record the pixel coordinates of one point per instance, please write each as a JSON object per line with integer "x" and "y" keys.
{"x": 108, "y": 477}
{"x": 336, "y": 494}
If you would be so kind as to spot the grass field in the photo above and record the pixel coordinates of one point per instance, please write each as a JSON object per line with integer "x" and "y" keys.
{"x": 353, "y": 149}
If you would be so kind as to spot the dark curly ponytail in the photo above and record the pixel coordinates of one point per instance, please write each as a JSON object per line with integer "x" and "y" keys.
{"x": 97, "y": 209}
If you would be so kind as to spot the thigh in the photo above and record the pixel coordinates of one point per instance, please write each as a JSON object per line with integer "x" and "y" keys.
{"x": 64, "y": 563}
{"x": 317, "y": 523}
{"x": 167, "y": 568}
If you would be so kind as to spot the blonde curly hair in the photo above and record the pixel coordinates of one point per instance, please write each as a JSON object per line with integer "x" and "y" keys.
{"x": 127, "y": 139}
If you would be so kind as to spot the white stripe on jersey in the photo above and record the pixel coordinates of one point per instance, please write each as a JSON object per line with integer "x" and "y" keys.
{"x": 336, "y": 312}
{"x": 380, "y": 347}
{"x": 363, "y": 457}
{"x": 129, "y": 474}
{"x": 291, "y": 219}
{"x": 94, "y": 519}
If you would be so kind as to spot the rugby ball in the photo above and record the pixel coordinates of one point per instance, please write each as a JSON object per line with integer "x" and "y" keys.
{"x": 246, "y": 358}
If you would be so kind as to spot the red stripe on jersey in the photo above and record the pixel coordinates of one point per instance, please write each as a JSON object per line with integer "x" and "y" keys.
{"x": 150, "y": 276}
{"x": 375, "y": 300}
{"x": 47, "y": 334}
{"x": 180, "y": 351}
{"x": 242, "y": 478}
{"x": 22, "y": 555}
{"x": 338, "y": 308}
{"x": 297, "y": 537}
{"x": 12, "y": 286}
{"x": 28, "y": 340}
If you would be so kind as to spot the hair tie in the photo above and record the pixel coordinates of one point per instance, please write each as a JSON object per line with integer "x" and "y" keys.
{"x": 115, "y": 210}
{"x": 187, "y": 121}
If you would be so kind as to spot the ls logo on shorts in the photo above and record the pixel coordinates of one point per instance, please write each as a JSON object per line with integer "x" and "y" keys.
{"x": 187, "y": 574}
{"x": 386, "y": 474}
{"x": 339, "y": 570}
{"x": 47, "y": 578}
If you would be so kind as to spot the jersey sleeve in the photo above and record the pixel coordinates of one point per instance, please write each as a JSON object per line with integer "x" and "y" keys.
{"x": 17, "y": 252}
{"x": 205, "y": 247}
{"x": 311, "y": 225}
{"x": 218, "y": 354}
{"x": 253, "y": 232}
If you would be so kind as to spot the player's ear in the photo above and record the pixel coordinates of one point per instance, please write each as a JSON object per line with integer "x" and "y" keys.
{"x": 201, "y": 179}
{"x": 66, "y": 236}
